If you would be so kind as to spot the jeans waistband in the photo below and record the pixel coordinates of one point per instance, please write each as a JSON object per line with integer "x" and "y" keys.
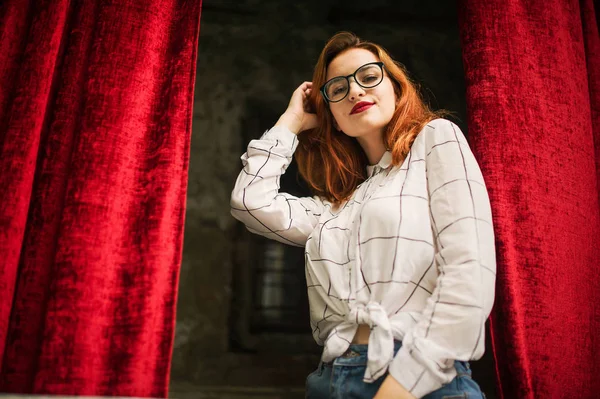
{"x": 356, "y": 351}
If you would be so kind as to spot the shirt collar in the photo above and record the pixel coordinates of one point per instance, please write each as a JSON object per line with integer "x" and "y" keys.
{"x": 384, "y": 163}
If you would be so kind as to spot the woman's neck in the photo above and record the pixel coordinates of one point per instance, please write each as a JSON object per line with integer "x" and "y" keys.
{"x": 373, "y": 146}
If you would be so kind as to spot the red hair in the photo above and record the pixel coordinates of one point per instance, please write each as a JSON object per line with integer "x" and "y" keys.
{"x": 334, "y": 164}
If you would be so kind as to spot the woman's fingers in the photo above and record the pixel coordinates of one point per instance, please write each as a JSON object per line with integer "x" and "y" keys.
{"x": 306, "y": 85}
{"x": 299, "y": 109}
{"x": 305, "y": 88}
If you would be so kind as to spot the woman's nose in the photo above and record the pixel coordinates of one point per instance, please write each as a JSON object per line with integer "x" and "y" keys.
{"x": 355, "y": 90}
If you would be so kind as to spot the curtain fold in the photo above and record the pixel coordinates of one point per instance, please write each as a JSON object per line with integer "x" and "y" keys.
{"x": 96, "y": 102}
{"x": 533, "y": 95}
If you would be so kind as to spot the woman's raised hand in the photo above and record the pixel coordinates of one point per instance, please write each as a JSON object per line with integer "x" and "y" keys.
{"x": 296, "y": 117}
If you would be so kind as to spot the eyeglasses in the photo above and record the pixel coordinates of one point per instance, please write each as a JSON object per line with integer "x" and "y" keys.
{"x": 367, "y": 76}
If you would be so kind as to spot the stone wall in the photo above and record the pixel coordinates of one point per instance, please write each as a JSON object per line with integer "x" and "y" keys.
{"x": 252, "y": 55}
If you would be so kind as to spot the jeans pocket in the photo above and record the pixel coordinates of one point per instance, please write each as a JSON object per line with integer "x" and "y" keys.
{"x": 317, "y": 372}
{"x": 317, "y": 383}
{"x": 348, "y": 383}
{"x": 461, "y": 387}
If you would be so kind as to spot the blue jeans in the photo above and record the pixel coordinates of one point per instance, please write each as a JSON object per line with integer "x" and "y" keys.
{"x": 343, "y": 379}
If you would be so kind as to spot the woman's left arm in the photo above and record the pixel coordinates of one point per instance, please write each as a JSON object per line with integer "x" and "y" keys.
{"x": 452, "y": 326}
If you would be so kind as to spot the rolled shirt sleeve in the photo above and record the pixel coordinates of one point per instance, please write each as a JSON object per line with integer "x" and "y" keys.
{"x": 256, "y": 200}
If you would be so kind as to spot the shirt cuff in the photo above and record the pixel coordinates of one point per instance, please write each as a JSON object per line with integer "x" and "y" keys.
{"x": 285, "y": 137}
{"x": 413, "y": 375}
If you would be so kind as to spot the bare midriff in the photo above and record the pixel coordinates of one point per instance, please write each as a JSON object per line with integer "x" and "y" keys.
{"x": 361, "y": 336}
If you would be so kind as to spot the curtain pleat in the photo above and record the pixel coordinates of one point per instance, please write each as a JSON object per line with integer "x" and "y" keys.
{"x": 96, "y": 106}
{"x": 532, "y": 73}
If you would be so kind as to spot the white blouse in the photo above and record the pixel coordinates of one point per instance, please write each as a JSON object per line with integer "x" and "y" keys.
{"x": 411, "y": 253}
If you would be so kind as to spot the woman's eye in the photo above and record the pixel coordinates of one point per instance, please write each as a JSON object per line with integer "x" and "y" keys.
{"x": 369, "y": 78}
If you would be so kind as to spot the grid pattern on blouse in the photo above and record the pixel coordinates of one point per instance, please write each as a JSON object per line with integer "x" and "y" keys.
{"x": 411, "y": 253}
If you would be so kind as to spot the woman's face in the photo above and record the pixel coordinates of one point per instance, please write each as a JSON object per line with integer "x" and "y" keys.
{"x": 364, "y": 113}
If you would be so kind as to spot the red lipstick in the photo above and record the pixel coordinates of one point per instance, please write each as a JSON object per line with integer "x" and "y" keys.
{"x": 360, "y": 107}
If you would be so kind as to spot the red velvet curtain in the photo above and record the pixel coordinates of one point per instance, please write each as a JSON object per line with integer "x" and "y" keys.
{"x": 95, "y": 120}
{"x": 533, "y": 91}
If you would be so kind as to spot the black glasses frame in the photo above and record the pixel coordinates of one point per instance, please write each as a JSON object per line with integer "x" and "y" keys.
{"x": 352, "y": 75}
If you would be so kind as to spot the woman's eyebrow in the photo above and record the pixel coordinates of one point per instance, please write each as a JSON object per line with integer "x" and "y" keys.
{"x": 335, "y": 75}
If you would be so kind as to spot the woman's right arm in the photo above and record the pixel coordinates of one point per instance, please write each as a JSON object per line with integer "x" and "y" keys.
{"x": 256, "y": 200}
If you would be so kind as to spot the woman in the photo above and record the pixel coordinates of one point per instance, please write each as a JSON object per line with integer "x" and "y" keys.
{"x": 400, "y": 257}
